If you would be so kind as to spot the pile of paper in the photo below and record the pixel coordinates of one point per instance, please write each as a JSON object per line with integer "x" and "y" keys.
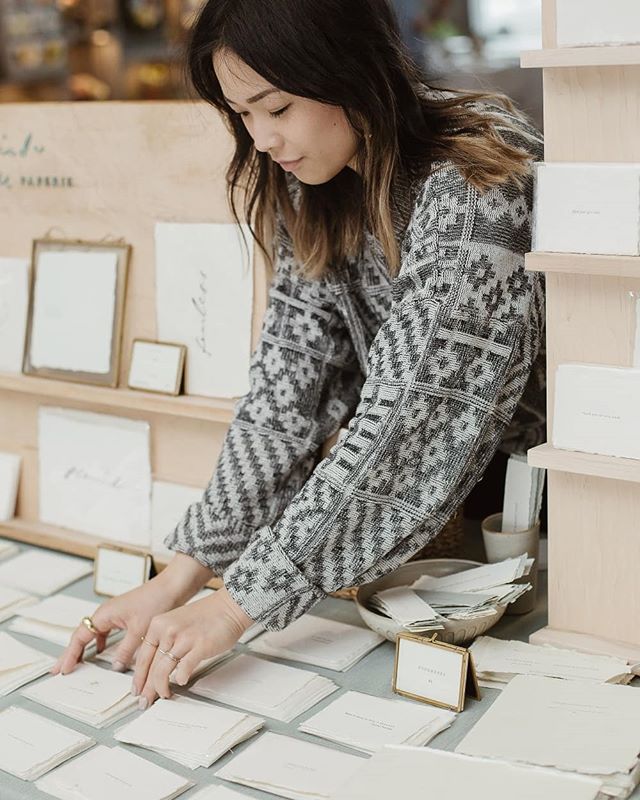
{"x": 11, "y": 600}
{"x": 291, "y": 768}
{"x": 321, "y": 642}
{"x": 192, "y": 733}
{"x": 90, "y": 694}
{"x": 54, "y": 618}
{"x": 8, "y": 549}
{"x": 497, "y": 662}
{"x": 368, "y": 723}
{"x": 417, "y": 773}
{"x": 108, "y": 656}
{"x": 112, "y": 772}
{"x": 269, "y": 689}
{"x": 576, "y": 726}
{"x": 43, "y": 573}
{"x": 20, "y": 664}
{"x": 430, "y": 601}
{"x": 31, "y": 745}
{"x": 522, "y": 494}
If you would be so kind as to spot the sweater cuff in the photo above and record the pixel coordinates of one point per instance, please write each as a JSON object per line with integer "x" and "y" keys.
{"x": 268, "y": 586}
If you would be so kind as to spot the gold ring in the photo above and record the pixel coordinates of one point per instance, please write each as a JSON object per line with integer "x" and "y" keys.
{"x": 146, "y": 641}
{"x": 88, "y": 623}
{"x": 171, "y": 656}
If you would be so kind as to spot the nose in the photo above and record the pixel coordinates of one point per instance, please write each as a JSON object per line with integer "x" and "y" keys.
{"x": 265, "y": 138}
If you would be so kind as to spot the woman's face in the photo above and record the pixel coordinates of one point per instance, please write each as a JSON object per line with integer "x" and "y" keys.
{"x": 313, "y": 140}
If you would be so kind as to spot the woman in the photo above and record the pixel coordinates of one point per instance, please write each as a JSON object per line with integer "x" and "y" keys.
{"x": 399, "y": 305}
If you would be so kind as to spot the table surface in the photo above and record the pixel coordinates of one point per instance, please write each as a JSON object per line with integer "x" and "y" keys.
{"x": 371, "y": 675}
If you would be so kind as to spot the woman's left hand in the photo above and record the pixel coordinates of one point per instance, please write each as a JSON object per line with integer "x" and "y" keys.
{"x": 192, "y": 633}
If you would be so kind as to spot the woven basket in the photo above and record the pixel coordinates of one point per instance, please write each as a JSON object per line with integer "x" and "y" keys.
{"x": 447, "y": 544}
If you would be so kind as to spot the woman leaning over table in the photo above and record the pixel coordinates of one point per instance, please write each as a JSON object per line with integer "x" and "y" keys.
{"x": 399, "y": 306}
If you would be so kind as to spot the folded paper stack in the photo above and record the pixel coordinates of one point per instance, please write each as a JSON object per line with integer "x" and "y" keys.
{"x": 20, "y": 664}
{"x": 192, "y": 733}
{"x": 498, "y": 661}
{"x": 31, "y": 745}
{"x": 570, "y": 725}
{"x": 291, "y": 768}
{"x": 13, "y": 599}
{"x": 53, "y": 619}
{"x": 265, "y": 688}
{"x": 42, "y": 573}
{"x": 90, "y": 694}
{"x": 369, "y": 723}
{"x": 321, "y": 642}
{"x": 112, "y": 772}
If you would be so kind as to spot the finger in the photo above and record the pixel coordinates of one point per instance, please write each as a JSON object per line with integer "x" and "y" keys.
{"x": 75, "y": 649}
{"x": 187, "y": 666}
{"x": 163, "y": 665}
{"x": 126, "y": 651}
{"x": 144, "y": 658}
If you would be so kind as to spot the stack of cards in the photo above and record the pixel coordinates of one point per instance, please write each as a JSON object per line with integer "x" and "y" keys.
{"x": 497, "y": 662}
{"x": 192, "y": 733}
{"x": 43, "y": 573}
{"x": 291, "y": 768}
{"x": 11, "y": 600}
{"x": 90, "y": 694}
{"x": 321, "y": 642}
{"x": 31, "y": 745}
{"x": 368, "y": 723}
{"x": 407, "y": 608}
{"x": 112, "y": 772}
{"x": 20, "y": 664}
{"x": 108, "y": 656}
{"x": 8, "y": 549}
{"x": 269, "y": 689}
{"x": 54, "y": 618}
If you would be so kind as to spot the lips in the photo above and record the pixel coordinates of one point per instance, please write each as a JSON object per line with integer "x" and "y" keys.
{"x": 289, "y": 164}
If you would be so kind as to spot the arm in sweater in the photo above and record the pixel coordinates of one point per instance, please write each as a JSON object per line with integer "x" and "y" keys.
{"x": 445, "y": 374}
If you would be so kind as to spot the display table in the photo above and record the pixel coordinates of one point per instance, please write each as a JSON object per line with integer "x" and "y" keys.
{"x": 371, "y": 675}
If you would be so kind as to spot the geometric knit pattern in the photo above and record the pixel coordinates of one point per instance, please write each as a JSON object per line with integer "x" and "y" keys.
{"x": 431, "y": 371}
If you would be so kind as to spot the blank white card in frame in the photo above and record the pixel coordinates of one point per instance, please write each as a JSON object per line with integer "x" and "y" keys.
{"x": 204, "y": 299}
{"x": 73, "y": 311}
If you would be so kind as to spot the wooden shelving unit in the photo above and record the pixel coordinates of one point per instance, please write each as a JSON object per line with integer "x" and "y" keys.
{"x": 592, "y": 114}
{"x": 131, "y": 165}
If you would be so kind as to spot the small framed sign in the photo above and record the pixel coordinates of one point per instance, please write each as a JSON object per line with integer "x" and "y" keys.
{"x": 157, "y": 366}
{"x": 434, "y": 672}
{"x": 118, "y": 570}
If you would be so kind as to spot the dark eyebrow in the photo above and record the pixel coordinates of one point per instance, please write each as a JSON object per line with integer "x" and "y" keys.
{"x": 255, "y": 97}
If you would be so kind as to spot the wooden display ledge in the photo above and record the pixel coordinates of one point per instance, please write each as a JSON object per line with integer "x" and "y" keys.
{"x": 85, "y": 545}
{"x": 579, "y": 264}
{"x": 605, "y": 56}
{"x": 584, "y": 643}
{"x": 619, "y": 469}
{"x": 199, "y": 408}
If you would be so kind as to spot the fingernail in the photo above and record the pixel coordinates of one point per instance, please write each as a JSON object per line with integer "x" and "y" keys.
{"x": 118, "y": 666}
{"x": 143, "y": 703}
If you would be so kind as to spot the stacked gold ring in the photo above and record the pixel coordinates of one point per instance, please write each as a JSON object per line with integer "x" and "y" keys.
{"x": 170, "y": 655}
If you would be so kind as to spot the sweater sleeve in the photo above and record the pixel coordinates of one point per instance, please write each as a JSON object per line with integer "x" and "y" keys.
{"x": 304, "y": 384}
{"x": 445, "y": 375}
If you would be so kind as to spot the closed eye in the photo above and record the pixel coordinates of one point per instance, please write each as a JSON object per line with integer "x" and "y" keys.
{"x": 277, "y": 113}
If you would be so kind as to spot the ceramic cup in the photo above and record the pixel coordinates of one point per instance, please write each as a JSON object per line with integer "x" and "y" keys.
{"x": 499, "y": 544}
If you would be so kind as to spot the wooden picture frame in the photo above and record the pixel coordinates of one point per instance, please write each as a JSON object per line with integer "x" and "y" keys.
{"x": 119, "y": 569}
{"x": 111, "y": 335}
{"x": 152, "y": 370}
{"x": 451, "y": 668}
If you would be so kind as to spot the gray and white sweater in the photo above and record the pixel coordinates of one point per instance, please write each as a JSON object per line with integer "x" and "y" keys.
{"x": 433, "y": 371}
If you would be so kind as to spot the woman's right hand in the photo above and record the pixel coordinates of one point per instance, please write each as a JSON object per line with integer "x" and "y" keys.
{"x": 133, "y": 612}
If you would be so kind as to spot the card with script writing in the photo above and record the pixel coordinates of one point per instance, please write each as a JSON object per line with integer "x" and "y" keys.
{"x": 434, "y": 672}
{"x": 204, "y": 299}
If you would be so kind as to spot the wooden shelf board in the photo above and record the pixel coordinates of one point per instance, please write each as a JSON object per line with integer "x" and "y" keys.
{"x": 605, "y": 56}
{"x": 76, "y": 543}
{"x": 580, "y": 264}
{"x": 200, "y": 408}
{"x": 621, "y": 469}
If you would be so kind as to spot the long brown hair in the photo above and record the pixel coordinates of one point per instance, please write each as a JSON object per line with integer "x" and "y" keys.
{"x": 348, "y": 53}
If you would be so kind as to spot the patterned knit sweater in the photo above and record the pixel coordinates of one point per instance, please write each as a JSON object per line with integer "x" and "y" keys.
{"x": 432, "y": 371}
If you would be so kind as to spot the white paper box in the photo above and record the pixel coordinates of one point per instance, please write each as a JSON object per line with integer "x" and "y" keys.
{"x": 587, "y": 208}
{"x": 596, "y": 410}
{"x": 595, "y": 22}
{"x": 9, "y": 478}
